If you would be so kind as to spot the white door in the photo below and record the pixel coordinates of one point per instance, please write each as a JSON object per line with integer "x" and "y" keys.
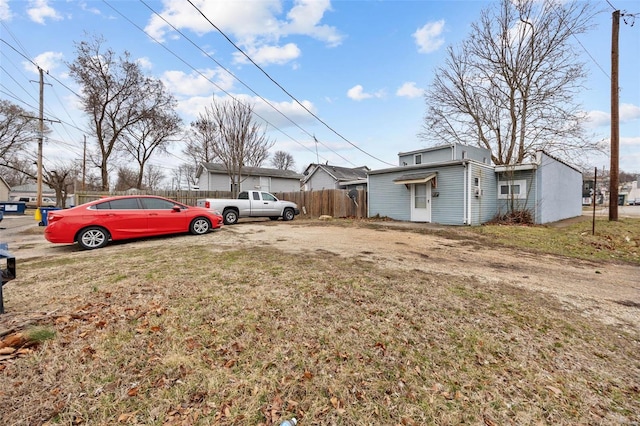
{"x": 421, "y": 202}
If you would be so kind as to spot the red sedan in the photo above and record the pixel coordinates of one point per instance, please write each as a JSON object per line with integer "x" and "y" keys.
{"x": 93, "y": 224}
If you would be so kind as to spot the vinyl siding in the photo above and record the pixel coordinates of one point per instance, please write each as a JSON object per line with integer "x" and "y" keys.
{"x": 214, "y": 182}
{"x": 321, "y": 180}
{"x": 220, "y": 182}
{"x": 559, "y": 195}
{"x": 483, "y": 207}
{"x": 388, "y": 199}
{"x": 448, "y": 207}
{"x": 526, "y": 204}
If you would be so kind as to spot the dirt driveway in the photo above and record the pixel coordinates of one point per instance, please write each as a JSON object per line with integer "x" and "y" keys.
{"x": 607, "y": 292}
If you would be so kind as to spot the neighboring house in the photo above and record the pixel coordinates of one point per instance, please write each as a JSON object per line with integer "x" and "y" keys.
{"x": 457, "y": 185}
{"x": 30, "y": 190}
{"x": 214, "y": 177}
{"x": 4, "y": 190}
{"x": 324, "y": 176}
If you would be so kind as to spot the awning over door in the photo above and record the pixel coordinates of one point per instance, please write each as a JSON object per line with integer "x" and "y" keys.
{"x": 413, "y": 178}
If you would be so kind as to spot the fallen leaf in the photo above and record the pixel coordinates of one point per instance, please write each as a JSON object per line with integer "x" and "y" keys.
{"x": 555, "y": 390}
{"x": 133, "y": 392}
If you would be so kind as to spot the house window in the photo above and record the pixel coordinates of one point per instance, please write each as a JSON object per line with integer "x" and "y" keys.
{"x": 516, "y": 189}
{"x": 417, "y": 159}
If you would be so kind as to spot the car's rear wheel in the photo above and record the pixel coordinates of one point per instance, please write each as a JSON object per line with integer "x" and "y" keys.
{"x": 93, "y": 237}
{"x": 230, "y": 217}
{"x": 200, "y": 226}
{"x": 288, "y": 214}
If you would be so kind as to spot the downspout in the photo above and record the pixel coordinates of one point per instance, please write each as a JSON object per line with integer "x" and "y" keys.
{"x": 464, "y": 193}
{"x": 469, "y": 192}
{"x": 368, "y": 198}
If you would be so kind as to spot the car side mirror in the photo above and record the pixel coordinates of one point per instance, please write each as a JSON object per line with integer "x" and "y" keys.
{"x": 176, "y": 208}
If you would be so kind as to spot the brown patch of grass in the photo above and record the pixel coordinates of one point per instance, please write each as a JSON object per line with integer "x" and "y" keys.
{"x": 198, "y": 336}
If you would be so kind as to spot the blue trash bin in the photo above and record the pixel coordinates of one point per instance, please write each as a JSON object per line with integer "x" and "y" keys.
{"x": 44, "y": 213}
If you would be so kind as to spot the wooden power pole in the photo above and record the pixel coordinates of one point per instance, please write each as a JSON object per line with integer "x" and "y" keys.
{"x": 40, "y": 138}
{"x": 615, "y": 119}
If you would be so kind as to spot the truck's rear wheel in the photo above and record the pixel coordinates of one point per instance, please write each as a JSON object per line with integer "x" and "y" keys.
{"x": 288, "y": 214}
{"x": 230, "y": 217}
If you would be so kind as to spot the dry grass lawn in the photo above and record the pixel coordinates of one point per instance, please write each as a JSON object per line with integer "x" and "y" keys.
{"x": 210, "y": 334}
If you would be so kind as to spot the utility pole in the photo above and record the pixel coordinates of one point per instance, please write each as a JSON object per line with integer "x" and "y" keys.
{"x": 40, "y": 139}
{"x": 615, "y": 119}
{"x": 84, "y": 163}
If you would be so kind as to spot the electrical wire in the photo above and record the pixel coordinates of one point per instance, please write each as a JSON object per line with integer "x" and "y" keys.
{"x": 283, "y": 89}
{"x": 200, "y": 73}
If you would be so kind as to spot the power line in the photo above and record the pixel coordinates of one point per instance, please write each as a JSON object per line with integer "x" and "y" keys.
{"x": 284, "y": 90}
{"x": 236, "y": 78}
{"x": 201, "y": 74}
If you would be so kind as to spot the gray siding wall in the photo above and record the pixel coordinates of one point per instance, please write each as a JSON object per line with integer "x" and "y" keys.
{"x": 321, "y": 180}
{"x": 220, "y": 182}
{"x": 448, "y": 207}
{"x": 559, "y": 195}
{"x": 214, "y": 182}
{"x": 529, "y": 203}
{"x": 388, "y": 199}
{"x": 483, "y": 206}
{"x": 284, "y": 185}
{"x": 428, "y": 156}
{"x": 478, "y": 154}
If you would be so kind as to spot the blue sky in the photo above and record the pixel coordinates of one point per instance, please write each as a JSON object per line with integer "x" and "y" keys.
{"x": 358, "y": 66}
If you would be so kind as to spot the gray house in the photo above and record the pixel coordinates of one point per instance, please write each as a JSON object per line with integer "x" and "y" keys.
{"x": 325, "y": 176}
{"x": 4, "y": 189}
{"x": 457, "y": 185}
{"x": 214, "y": 177}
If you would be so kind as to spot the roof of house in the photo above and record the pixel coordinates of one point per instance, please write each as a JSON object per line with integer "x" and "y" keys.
{"x": 250, "y": 171}
{"x": 340, "y": 174}
{"x": 31, "y": 187}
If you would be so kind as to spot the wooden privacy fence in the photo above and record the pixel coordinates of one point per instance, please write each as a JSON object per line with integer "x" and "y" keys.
{"x": 332, "y": 202}
{"x": 312, "y": 204}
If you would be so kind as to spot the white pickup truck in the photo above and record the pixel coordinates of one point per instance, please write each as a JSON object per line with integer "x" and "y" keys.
{"x": 251, "y": 204}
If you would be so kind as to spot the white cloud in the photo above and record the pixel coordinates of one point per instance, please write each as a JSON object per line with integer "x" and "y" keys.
{"x": 357, "y": 93}
{"x": 630, "y": 141}
{"x": 5, "y": 11}
{"x": 597, "y": 119}
{"x": 48, "y": 61}
{"x": 428, "y": 38}
{"x": 270, "y": 54}
{"x": 183, "y": 84}
{"x": 39, "y": 10}
{"x": 84, "y": 6}
{"x": 409, "y": 90}
{"x": 145, "y": 63}
{"x": 253, "y": 25}
{"x": 627, "y": 112}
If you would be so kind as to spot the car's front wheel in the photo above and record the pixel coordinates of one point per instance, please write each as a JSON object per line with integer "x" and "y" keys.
{"x": 200, "y": 226}
{"x": 93, "y": 237}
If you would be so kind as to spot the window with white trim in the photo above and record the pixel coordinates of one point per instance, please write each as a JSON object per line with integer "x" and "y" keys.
{"x": 417, "y": 159}
{"x": 516, "y": 189}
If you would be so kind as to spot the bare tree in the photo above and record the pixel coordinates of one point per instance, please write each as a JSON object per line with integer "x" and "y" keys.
{"x": 18, "y": 131}
{"x": 61, "y": 178}
{"x": 126, "y": 179}
{"x": 115, "y": 95}
{"x": 235, "y": 139}
{"x": 283, "y": 161}
{"x": 153, "y": 176}
{"x": 184, "y": 176}
{"x": 152, "y": 134}
{"x": 511, "y": 86}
